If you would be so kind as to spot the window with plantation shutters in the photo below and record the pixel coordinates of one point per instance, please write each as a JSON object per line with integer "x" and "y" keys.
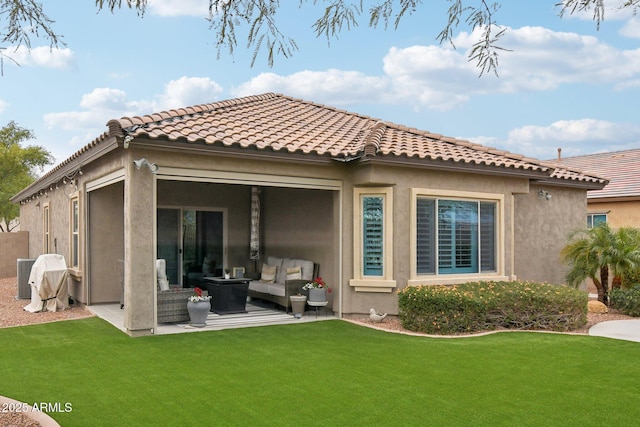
{"x": 426, "y": 235}
{"x": 455, "y": 236}
{"x": 487, "y": 236}
{"x": 373, "y": 240}
{"x": 373, "y": 235}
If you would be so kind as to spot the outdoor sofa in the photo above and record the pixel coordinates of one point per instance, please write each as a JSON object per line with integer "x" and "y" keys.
{"x": 282, "y": 277}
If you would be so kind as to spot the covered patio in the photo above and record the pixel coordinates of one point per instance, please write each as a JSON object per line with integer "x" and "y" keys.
{"x": 203, "y": 218}
{"x": 257, "y": 315}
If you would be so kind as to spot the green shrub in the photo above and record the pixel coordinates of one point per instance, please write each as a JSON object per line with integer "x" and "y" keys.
{"x": 631, "y": 278}
{"x": 627, "y": 301}
{"x": 480, "y": 306}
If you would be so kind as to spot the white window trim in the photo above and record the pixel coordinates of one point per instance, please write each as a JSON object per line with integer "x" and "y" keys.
{"x": 384, "y": 283}
{"x": 46, "y": 228}
{"x": 592, "y": 214}
{"x": 75, "y": 271}
{"x": 450, "y": 279}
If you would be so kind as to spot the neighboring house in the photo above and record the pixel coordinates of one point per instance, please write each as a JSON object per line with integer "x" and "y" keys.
{"x": 377, "y": 205}
{"x": 618, "y": 203}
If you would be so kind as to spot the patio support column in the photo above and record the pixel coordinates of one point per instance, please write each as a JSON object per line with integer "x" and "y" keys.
{"x": 139, "y": 253}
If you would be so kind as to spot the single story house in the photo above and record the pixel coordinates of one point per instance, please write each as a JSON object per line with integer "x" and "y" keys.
{"x": 618, "y": 203}
{"x": 378, "y": 206}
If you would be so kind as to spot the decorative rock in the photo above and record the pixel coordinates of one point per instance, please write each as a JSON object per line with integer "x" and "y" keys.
{"x": 597, "y": 307}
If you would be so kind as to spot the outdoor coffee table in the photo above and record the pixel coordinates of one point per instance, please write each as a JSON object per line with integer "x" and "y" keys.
{"x": 227, "y": 295}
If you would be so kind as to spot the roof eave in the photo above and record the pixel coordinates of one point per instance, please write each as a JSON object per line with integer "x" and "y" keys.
{"x": 236, "y": 150}
{"x": 453, "y": 166}
{"x": 74, "y": 163}
{"x": 562, "y": 182}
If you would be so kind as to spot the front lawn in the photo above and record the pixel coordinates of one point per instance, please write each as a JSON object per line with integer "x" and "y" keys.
{"x": 323, "y": 373}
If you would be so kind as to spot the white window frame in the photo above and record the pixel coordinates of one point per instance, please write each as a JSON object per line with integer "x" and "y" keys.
{"x": 444, "y": 279}
{"x": 360, "y": 281}
{"x": 75, "y": 220}
{"x": 591, "y": 215}
{"x": 46, "y": 228}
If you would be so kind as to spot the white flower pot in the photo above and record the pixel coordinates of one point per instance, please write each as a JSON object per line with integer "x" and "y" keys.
{"x": 198, "y": 312}
{"x": 317, "y": 294}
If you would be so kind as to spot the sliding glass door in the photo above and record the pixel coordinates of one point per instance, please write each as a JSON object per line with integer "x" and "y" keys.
{"x": 191, "y": 240}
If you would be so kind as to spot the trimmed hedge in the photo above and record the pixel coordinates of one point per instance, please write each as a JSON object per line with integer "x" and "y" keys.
{"x": 627, "y": 301}
{"x": 472, "y": 307}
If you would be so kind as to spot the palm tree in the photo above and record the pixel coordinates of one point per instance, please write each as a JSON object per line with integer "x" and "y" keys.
{"x": 625, "y": 256}
{"x": 593, "y": 253}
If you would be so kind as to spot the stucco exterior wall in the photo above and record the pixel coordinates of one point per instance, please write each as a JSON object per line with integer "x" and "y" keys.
{"x": 300, "y": 223}
{"x": 105, "y": 246}
{"x": 310, "y": 223}
{"x": 542, "y": 228}
{"x": 403, "y": 181}
{"x": 619, "y": 214}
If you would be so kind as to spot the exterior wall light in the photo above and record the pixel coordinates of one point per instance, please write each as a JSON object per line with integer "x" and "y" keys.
{"x": 144, "y": 162}
{"x": 544, "y": 195}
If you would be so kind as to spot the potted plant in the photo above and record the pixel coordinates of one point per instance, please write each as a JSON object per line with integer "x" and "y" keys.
{"x": 198, "y": 307}
{"x": 297, "y": 305}
{"x": 317, "y": 290}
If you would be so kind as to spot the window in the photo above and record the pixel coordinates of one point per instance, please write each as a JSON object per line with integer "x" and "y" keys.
{"x": 455, "y": 234}
{"x": 372, "y": 235}
{"x": 75, "y": 233}
{"x": 373, "y": 240}
{"x": 46, "y": 229}
{"x": 594, "y": 220}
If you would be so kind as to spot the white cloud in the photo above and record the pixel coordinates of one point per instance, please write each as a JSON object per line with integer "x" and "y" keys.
{"x": 41, "y": 56}
{"x": 336, "y": 87}
{"x": 575, "y": 137}
{"x": 541, "y": 59}
{"x": 3, "y": 106}
{"x": 104, "y": 99}
{"x": 575, "y": 130}
{"x": 440, "y": 78}
{"x": 431, "y": 76}
{"x": 198, "y": 8}
{"x": 188, "y": 91}
{"x": 632, "y": 28}
{"x": 104, "y": 104}
{"x": 613, "y": 10}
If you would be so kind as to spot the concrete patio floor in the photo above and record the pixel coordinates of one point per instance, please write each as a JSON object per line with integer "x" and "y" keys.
{"x": 257, "y": 315}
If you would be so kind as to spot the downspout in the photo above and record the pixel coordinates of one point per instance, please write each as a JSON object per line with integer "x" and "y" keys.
{"x": 513, "y": 238}
{"x": 340, "y": 239}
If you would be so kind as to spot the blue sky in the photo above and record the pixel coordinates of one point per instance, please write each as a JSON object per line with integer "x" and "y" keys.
{"x": 565, "y": 84}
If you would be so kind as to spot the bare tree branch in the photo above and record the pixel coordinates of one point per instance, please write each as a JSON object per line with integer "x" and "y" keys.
{"x": 23, "y": 19}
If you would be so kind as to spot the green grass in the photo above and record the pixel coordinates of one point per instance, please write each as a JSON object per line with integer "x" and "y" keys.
{"x": 322, "y": 373}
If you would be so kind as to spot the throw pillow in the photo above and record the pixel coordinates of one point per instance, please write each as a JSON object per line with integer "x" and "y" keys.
{"x": 268, "y": 273}
{"x": 294, "y": 273}
{"x": 161, "y": 275}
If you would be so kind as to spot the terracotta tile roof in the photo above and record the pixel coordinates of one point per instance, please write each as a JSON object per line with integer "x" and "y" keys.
{"x": 622, "y": 168}
{"x": 282, "y": 123}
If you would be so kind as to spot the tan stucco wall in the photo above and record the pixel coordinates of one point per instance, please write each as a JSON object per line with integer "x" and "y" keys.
{"x": 105, "y": 245}
{"x": 541, "y": 231}
{"x": 12, "y": 246}
{"x": 31, "y": 219}
{"x": 300, "y": 223}
{"x": 403, "y": 180}
{"x": 619, "y": 214}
